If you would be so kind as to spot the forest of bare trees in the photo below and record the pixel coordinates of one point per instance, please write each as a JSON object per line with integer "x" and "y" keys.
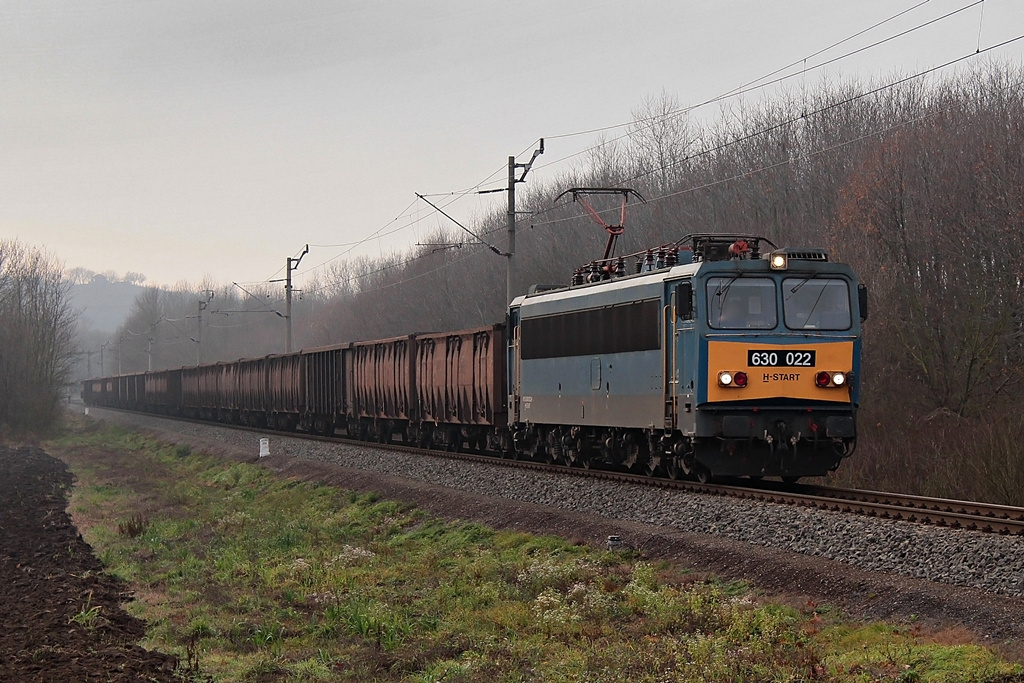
{"x": 37, "y": 332}
{"x": 918, "y": 184}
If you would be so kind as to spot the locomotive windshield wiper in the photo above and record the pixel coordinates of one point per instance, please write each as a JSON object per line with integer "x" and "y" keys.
{"x": 723, "y": 292}
{"x": 817, "y": 299}
{"x": 723, "y": 288}
{"x": 799, "y": 285}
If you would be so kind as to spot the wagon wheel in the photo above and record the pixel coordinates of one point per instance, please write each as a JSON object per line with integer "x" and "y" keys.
{"x": 384, "y": 431}
{"x": 478, "y": 442}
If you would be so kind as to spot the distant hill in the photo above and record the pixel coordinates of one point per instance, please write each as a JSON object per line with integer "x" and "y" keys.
{"x": 103, "y": 304}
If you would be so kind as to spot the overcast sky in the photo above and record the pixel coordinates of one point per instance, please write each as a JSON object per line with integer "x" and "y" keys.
{"x": 203, "y": 139}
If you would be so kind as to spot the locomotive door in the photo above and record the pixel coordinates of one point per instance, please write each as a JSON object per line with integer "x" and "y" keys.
{"x": 512, "y": 368}
{"x": 680, "y": 343}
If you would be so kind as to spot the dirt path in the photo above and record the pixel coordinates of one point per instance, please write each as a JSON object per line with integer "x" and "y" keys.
{"x": 48, "y": 576}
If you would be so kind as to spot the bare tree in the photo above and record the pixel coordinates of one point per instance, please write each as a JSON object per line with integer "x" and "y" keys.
{"x": 37, "y": 327}
{"x": 133, "y": 278}
{"x": 80, "y": 276}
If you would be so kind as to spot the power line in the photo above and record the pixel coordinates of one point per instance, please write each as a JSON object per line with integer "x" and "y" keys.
{"x": 746, "y": 87}
{"x": 760, "y": 82}
{"x": 788, "y": 122}
{"x": 736, "y": 91}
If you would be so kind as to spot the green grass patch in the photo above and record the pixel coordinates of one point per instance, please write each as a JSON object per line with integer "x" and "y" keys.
{"x": 247, "y": 577}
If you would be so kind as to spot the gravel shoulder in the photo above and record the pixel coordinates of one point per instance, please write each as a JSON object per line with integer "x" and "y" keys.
{"x": 699, "y": 536}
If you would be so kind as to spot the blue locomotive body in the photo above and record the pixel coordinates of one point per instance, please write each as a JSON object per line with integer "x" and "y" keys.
{"x": 731, "y": 364}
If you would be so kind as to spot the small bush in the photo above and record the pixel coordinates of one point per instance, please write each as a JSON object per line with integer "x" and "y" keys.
{"x": 132, "y": 527}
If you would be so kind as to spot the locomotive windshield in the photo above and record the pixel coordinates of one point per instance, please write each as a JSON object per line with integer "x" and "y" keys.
{"x": 736, "y": 303}
{"x": 749, "y": 303}
{"x": 816, "y": 303}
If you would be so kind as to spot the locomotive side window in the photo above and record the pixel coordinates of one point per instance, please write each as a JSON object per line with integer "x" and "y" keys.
{"x": 595, "y": 331}
{"x": 736, "y": 303}
{"x": 816, "y": 303}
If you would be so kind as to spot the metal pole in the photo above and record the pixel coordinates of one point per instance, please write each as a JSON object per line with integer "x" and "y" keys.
{"x": 512, "y": 166}
{"x": 207, "y": 297}
{"x": 509, "y": 287}
{"x": 199, "y": 334}
{"x": 288, "y": 304}
{"x": 291, "y": 265}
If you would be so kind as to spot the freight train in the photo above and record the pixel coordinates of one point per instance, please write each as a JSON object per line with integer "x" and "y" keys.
{"x": 714, "y": 357}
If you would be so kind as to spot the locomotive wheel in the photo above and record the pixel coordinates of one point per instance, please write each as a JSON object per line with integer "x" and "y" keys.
{"x": 790, "y": 479}
{"x": 674, "y": 469}
{"x": 652, "y": 467}
{"x": 702, "y": 473}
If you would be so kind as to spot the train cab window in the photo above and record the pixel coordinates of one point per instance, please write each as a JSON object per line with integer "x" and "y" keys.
{"x": 746, "y": 303}
{"x": 684, "y": 300}
{"x": 819, "y": 303}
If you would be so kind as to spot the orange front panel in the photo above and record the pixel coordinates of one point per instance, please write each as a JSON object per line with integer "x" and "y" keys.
{"x": 791, "y": 376}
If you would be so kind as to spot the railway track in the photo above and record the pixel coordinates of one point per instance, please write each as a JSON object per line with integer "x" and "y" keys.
{"x": 953, "y": 514}
{"x": 941, "y": 512}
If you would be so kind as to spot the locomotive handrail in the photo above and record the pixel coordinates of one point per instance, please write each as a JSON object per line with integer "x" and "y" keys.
{"x": 670, "y": 418}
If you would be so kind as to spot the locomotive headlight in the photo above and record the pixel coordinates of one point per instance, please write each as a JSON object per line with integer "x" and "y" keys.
{"x": 828, "y": 378}
{"x": 778, "y": 260}
{"x": 736, "y": 380}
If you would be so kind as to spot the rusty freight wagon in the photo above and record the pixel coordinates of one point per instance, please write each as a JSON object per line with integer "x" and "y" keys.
{"x": 381, "y": 387}
{"x": 163, "y": 391}
{"x": 326, "y": 399}
{"x": 460, "y": 387}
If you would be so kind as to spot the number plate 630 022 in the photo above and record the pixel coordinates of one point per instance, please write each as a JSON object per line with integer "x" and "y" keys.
{"x": 776, "y": 358}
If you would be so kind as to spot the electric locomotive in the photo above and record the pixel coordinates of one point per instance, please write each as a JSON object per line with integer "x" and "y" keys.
{"x": 714, "y": 358}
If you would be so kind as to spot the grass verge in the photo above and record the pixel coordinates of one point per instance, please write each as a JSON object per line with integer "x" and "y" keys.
{"x": 249, "y": 577}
